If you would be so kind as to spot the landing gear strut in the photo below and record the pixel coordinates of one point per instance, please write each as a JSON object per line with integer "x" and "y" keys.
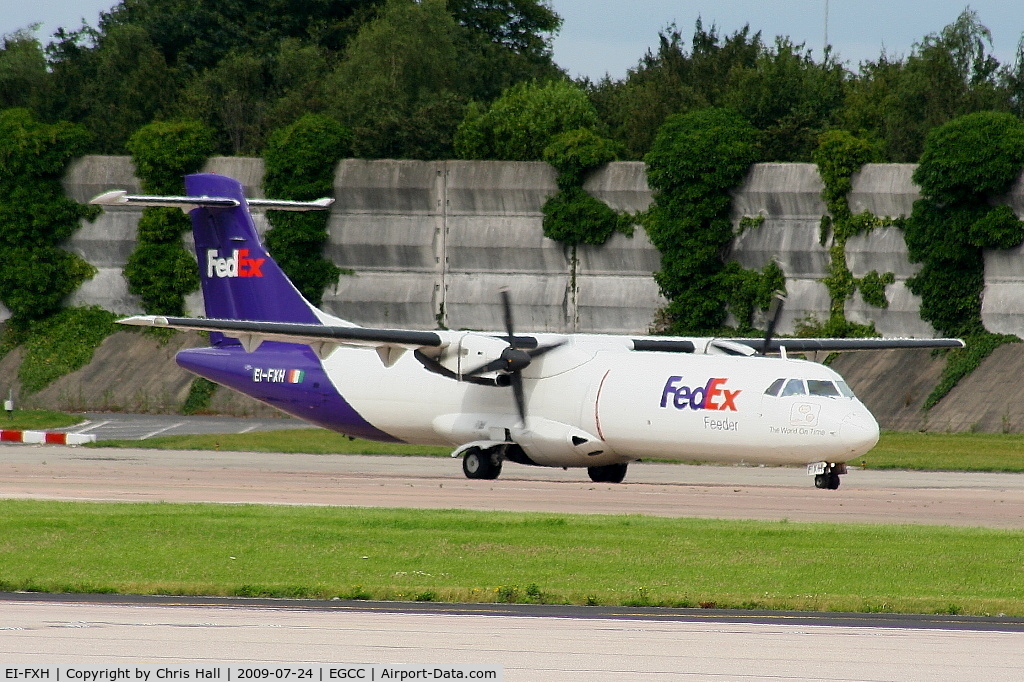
{"x": 477, "y": 463}
{"x": 610, "y": 473}
{"x": 826, "y": 474}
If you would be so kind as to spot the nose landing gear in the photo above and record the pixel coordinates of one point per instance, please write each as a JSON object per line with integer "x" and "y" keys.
{"x": 826, "y": 474}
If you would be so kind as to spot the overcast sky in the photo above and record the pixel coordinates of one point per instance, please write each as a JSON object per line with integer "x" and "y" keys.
{"x": 610, "y": 36}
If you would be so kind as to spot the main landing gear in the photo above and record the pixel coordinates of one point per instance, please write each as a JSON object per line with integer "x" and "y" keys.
{"x": 610, "y": 473}
{"x": 477, "y": 463}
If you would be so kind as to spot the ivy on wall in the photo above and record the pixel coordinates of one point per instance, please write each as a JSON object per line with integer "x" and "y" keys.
{"x": 572, "y": 216}
{"x": 966, "y": 166}
{"x": 838, "y": 156}
{"x": 160, "y": 270}
{"x": 300, "y": 163}
{"x": 695, "y": 160}
{"x": 36, "y": 275}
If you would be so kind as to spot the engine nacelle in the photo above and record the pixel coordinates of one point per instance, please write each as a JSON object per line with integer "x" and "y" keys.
{"x": 545, "y": 442}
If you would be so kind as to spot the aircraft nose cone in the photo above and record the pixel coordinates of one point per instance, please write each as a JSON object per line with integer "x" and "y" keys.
{"x": 859, "y": 432}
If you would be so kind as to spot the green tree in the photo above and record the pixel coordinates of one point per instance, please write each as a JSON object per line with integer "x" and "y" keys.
{"x": 671, "y": 81}
{"x": 696, "y": 158}
{"x": 396, "y": 89}
{"x": 195, "y": 36}
{"x": 523, "y": 121}
{"x": 246, "y": 95}
{"x": 789, "y": 97}
{"x": 160, "y": 270}
{"x": 300, "y": 162}
{"x": 35, "y": 216}
{"x": 948, "y": 74}
{"x": 23, "y": 77}
{"x": 966, "y": 164}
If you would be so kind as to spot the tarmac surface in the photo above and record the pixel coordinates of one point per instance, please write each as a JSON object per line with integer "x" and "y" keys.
{"x": 675, "y": 490}
{"x": 531, "y": 645}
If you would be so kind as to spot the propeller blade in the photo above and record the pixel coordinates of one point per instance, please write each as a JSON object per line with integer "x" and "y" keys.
{"x": 492, "y": 366}
{"x": 774, "y": 310}
{"x": 506, "y": 303}
{"x": 517, "y": 390}
{"x": 542, "y": 350}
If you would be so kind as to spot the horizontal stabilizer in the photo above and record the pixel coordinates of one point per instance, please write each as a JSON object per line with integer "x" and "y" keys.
{"x": 321, "y": 338}
{"x": 122, "y": 198}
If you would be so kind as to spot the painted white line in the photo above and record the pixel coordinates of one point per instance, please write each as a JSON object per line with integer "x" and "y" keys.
{"x": 91, "y": 427}
{"x": 166, "y": 428}
{"x": 247, "y": 429}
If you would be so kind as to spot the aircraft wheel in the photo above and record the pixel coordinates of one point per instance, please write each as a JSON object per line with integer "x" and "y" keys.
{"x": 828, "y": 481}
{"x": 610, "y": 473}
{"x": 479, "y": 464}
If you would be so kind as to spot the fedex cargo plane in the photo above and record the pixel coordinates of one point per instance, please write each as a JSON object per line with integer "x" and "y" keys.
{"x": 591, "y": 401}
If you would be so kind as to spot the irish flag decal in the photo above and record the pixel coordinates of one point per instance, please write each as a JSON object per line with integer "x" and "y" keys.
{"x": 295, "y": 376}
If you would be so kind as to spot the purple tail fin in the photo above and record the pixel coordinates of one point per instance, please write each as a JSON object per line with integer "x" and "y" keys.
{"x": 240, "y": 280}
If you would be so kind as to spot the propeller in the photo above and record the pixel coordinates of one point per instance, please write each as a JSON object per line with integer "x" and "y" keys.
{"x": 774, "y": 310}
{"x": 513, "y": 359}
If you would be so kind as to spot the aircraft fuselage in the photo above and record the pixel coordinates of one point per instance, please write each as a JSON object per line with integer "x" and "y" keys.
{"x": 601, "y": 404}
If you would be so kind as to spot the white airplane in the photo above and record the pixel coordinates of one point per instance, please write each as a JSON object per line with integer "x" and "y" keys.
{"x": 559, "y": 400}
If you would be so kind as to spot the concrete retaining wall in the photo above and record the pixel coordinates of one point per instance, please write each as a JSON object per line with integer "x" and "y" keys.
{"x": 431, "y": 243}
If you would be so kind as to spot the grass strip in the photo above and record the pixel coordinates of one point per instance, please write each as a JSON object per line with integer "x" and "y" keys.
{"x": 895, "y": 450}
{"x": 947, "y": 452}
{"x": 467, "y": 556}
{"x": 37, "y": 419}
{"x": 291, "y": 441}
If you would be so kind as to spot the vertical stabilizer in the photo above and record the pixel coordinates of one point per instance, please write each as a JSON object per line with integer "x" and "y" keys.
{"x": 240, "y": 280}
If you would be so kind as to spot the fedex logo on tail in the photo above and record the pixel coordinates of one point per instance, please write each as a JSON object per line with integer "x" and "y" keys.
{"x": 238, "y": 264}
{"x": 711, "y": 396}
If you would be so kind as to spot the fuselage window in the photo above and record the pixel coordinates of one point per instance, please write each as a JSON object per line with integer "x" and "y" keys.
{"x": 845, "y": 389}
{"x": 794, "y": 387}
{"x": 825, "y": 388}
{"x": 774, "y": 388}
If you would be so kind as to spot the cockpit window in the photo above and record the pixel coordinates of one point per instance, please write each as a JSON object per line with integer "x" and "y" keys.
{"x": 825, "y": 388}
{"x": 794, "y": 387}
{"x": 774, "y": 388}
{"x": 844, "y": 389}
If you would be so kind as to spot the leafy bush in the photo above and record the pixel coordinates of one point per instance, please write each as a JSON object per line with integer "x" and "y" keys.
{"x": 199, "y": 395}
{"x": 300, "y": 161}
{"x": 966, "y": 165}
{"x": 521, "y": 123}
{"x": 35, "y": 216}
{"x": 160, "y": 270}
{"x": 696, "y": 158}
{"x": 572, "y": 216}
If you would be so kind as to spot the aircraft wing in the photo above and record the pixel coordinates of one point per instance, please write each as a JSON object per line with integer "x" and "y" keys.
{"x": 389, "y": 343}
{"x": 751, "y": 346}
{"x": 837, "y": 345}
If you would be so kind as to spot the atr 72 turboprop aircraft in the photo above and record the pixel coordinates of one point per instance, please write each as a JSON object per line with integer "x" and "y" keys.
{"x": 558, "y": 400}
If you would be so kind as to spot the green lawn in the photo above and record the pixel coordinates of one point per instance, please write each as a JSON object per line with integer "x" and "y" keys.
{"x": 311, "y": 441}
{"x": 399, "y": 554}
{"x": 37, "y": 419}
{"x": 947, "y": 452}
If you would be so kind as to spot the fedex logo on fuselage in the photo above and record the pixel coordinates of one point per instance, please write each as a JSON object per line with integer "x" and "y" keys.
{"x": 238, "y": 264}
{"x": 711, "y": 396}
